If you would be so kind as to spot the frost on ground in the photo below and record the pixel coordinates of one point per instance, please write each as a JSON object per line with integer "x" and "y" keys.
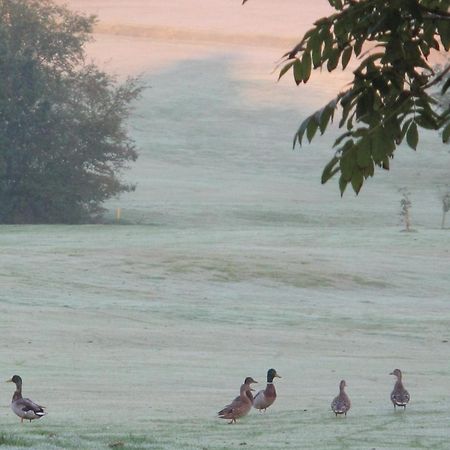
{"x": 231, "y": 259}
{"x": 139, "y": 334}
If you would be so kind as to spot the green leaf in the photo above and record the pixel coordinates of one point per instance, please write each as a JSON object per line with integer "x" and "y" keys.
{"x": 298, "y": 72}
{"x": 312, "y": 128}
{"x": 333, "y": 59}
{"x": 345, "y": 112}
{"x": 425, "y": 120}
{"x": 369, "y": 170}
{"x": 327, "y": 39}
{"x": 342, "y": 184}
{"x": 446, "y": 134}
{"x": 428, "y": 31}
{"x": 347, "y": 161}
{"x": 358, "y": 46}
{"x": 365, "y": 103}
{"x": 346, "y": 55}
{"x": 330, "y": 169}
{"x": 325, "y": 115}
{"x": 390, "y": 145}
{"x": 301, "y": 131}
{"x": 363, "y": 154}
{"x": 316, "y": 50}
{"x": 405, "y": 127}
{"x": 378, "y": 145}
{"x": 357, "y": 180}
{"x": 286, "y": 68}
{"x": 444, "y": 32}
{"x": 341, "y": 138}
{"x": 337, "y": 4}
{"x": 306, "y": 66}
{"x": 412, "y": 136}
{"x": 425, "y": 48}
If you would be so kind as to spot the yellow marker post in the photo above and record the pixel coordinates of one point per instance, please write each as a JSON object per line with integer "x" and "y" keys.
{"x": 118, "y": 214}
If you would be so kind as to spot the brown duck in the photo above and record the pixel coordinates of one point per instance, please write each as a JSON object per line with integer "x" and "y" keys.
{"x": 341, "y": 404}
{"x": 399, "y": 396}
{"x": 241, "y": 405}
{"x": 24, "y": 407}
{"x": 265, "y": 397}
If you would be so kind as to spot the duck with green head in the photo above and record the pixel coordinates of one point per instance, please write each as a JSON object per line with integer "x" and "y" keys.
{"x": 24, "y": 407}
{"x": 264, "y": 398}
{"x": 241, "y": 405}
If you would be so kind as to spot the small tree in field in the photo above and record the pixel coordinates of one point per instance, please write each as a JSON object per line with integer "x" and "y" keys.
{"x": 405, "y": 204}
{"x": 63, "y": 139}
{"x": 445, "y": 207}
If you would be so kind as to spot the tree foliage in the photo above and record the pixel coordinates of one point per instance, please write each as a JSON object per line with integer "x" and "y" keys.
{"x": 63, "y": 137}
{"x": 389, "y": 99}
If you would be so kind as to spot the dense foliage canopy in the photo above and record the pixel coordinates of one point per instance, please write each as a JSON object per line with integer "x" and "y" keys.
{"x": 63, "y": 140}
{"x": 391, "y": 95}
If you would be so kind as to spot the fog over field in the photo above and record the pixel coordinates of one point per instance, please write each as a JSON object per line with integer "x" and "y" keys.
{"x": 230, "y": 258}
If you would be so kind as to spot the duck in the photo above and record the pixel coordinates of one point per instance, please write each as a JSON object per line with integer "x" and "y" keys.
{"x": 265, "y": 397}
{"x": 399, "y": 396}
{"x": 341, "y": 403}
{"x": 24, "y": 407}
{"x": 241, "y": 405}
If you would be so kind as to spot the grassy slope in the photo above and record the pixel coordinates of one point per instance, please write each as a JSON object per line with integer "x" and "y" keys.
{"x": 138, "y": 334}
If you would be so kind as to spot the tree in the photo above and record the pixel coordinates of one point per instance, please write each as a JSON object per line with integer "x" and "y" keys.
{"x": 389, "y": 98}
{"x": 405, "y": 205}
{"x": 63, "y": 137}
{"x": 445, "y": 207}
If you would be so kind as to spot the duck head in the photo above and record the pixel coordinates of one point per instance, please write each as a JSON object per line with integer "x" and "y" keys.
{"x": 271, "y": 374}
{"x": 16, "y": 380}
{"x": 397, "y": 373}
{"x": 249, "y": 381}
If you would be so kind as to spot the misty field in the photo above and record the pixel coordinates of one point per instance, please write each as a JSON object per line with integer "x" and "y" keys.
{"x": 137, "y": 335}
{"x": 229, "y": 259}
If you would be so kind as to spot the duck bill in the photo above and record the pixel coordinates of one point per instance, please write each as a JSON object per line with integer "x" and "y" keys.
{"x": 9, "y": 381}
{"x": 392, "y": 373}
{"x": 278, "y": 376}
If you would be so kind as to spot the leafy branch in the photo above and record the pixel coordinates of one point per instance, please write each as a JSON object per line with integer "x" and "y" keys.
{"x": 388, "y": 100}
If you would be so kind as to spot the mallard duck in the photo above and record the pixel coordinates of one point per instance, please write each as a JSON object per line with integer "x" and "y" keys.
{"x": 341, "y": 404}
{"x": 241, "y": 405}
{"x": 399, "y": 396}
{"x": 265, "y": 397}
{"x": 24, "y": 407}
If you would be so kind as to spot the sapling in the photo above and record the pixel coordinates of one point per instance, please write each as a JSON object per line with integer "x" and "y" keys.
{"x": 405, "y": 204}
{"x": 445, "y": 207}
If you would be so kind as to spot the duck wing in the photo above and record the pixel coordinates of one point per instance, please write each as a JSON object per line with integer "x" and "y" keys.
{"x": 260, "y": 401}
{"x": 400, "y": 397}
{"x": 237, "y": 408}
{"x": 28, "y": 405}
{"x": 340, "y": 404}
{"x": 229, "y": 409}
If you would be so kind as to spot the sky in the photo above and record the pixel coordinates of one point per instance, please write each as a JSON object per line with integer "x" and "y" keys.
{"x": 141, "y": 36}
{"x": 286, "y": 18}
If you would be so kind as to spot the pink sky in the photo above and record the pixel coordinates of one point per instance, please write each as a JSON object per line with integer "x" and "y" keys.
{"x": 145, "y": 35}
{"x": 262, "y": 23}
{"x": 283, "y": 18}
